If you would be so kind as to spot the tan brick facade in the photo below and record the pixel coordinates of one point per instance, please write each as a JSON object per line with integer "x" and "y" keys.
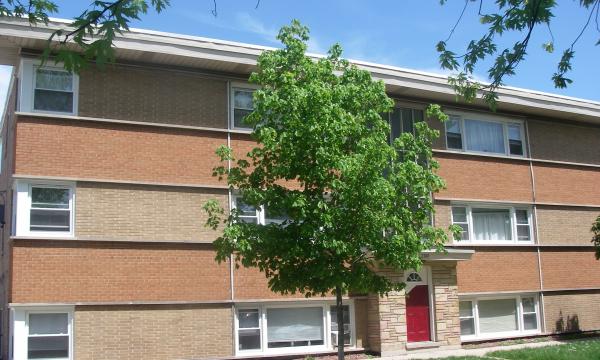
{"x": 572, "y": 311}
{"x": 154, "y": 96}
{"x": 499, "y": 269}
{"x": 144, "y": 213}
{"x": 75, "y": 271}
{"x": 574, "y": 144}
{"x": 559, "y": 225}
{"x": 116, "y": 152}
{"x": 153, "y": 332}
{"x": 567, "y": 184}
{"x": 568, "y": 268}
{"x": 487, "y": 179}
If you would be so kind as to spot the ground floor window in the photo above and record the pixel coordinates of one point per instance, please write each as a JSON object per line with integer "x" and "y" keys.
{"x": 496, "y": 317}
{"x": 273, "y": 328}
{"x": 42, "y": 333}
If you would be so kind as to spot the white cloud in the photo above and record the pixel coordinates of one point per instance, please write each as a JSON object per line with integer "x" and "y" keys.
{"x": 250, "y": 24}
{"x": 5, "y": 72}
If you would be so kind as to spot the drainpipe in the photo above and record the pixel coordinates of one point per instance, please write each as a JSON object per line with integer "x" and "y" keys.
{"x": 535, "y": 226}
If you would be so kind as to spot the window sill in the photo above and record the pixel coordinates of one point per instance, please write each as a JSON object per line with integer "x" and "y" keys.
{"x": 43, "y": 237}
{"x": 255, "y": 355}
{"x": 491, "y": 244}
{"x": 483, "y": 154}
{"x": 500, "y": 336}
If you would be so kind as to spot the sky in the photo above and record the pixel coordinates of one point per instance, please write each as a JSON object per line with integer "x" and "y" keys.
{"x": 401, "y": 33}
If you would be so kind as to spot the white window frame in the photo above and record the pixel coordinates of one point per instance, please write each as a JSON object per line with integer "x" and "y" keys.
{"x": 27, "y": 87}
{"x": 263, "y": 323}
{"x": 503, "y": 334}
{"x": 233, "y": 86}
{"x": 461, "y": 117}
{"x": 261, "y": 213}
{"x": 22, "y": 210}
{"x": 20, "y": 328}
{"x": 513, "y": 223}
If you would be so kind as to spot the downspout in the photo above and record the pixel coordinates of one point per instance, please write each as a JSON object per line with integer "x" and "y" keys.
{"x": 535, "y": 226}
{"x": 229, "y": 202}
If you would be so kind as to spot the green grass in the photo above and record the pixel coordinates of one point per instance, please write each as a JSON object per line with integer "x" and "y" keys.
{"x": 576, "y": 350}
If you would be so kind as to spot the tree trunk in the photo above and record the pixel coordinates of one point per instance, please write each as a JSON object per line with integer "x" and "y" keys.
{"x": 339, "y": 309}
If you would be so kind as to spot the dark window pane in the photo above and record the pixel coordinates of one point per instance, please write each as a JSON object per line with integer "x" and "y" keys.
{"x": 49, "y": 198}
{"x": 48, "y": 347}
{"x": 453, "y": 134}
{"x": 238, "y": 118}
{"x": 50, "y": 220}
{"x": 467, "y": 326}
{"x": 516, "y": 147}
{"x": 396, "y": 123}
{"x": 53, "y": 101}
{"x": 249, "y": 339}
{"x": 45, "y": 324}
{"x": 407, "y": 121}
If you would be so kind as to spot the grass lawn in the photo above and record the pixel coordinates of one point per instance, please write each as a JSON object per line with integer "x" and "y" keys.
{"x": 577, "y": 350}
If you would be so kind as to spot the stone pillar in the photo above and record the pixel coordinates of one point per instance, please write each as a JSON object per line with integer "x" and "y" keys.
{"x": 445, "y": 290}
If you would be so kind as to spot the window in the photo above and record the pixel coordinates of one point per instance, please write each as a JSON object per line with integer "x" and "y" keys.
{"x": 48, "y": 336}
{"x": 485, "y": 136}
{"x": 403, "y": 119}
{"x": 498, "y": 317}
{"x": 490, "y": 224}
{"x": 242, "y": 106}
{"x": 262, "y": 215}
{"x": 45, "y": 209}
{"x": 334, "y": 325}
{"x": 48, "y": 89}
{"x": 414, "y": 277}
{"x": 271, "y": 328}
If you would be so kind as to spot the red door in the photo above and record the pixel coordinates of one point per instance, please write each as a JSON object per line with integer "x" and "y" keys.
{"x": 417, "y": 314}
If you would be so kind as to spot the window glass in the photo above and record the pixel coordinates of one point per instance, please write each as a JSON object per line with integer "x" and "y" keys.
{"x": 491, "y": 224}
{"x": 53, "y": 91}
{"x": 523, "y": 229}
{"x": 291, "y": 327}
{"x": 242, "y": 106}
{"x": 249, "y": 329}
{"x": 454, "y": 133}
{"x": 459, "y": 217}
{"x": 50, "y": 209}
{"x": 484, "y": 136}
{"x": 529, "y": 313}
{"x": 403, "y": 120}
{"x": 273, "y": 218}
{"x": 334, "y": 325}
{"x": 246, "y": 213}
{"x": 467, "y": 320}
{"x": 497, "y": 315}
{"x": 515, "y": 143}
{"x": 48, "y": 336}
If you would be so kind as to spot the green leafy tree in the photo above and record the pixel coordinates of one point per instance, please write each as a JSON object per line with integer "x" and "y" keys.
{"x": 352, "y": 203}
{"x": 596, "y": 238}
{"x": 517, "y": 16}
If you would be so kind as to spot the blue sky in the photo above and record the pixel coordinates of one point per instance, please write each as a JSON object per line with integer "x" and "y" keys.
{"x": 395, "y": 32}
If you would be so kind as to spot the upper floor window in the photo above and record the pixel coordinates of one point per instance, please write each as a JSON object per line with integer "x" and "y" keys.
{"x": 44, "y": 209}
{"x": 492, "y": 224}
{"x": 48, "y": 89}
{"x": 468, "y": 133}
{"x": 242, "y": 104}
{"x": 262, "y": 215}
{"x": 403, "y": 119}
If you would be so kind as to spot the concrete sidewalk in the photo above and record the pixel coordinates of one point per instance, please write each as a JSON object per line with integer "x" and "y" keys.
{"x": 440, "y": 354}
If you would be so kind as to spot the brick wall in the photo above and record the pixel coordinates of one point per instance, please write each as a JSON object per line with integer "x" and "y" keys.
{"x": 499, "y": 269}
{"x": 551, "y": 140}
{"x": 146, "y": 213}
{"x": 152, "y": 95}
{"x": 153, "y": 332}
{"x": 567, "y": 184}
{"x": 559, "y": 225}
{"x": 119, "y": 152}
{"x": 80, "y": 271}
{"x": 469, "y": 177}
{"x": 250, "y": 283}
{"x": 572, "y": 311}
{"x": 569, "y": 269}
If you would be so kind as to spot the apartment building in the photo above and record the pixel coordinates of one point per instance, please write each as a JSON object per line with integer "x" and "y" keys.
{"x": 105, "y": 254}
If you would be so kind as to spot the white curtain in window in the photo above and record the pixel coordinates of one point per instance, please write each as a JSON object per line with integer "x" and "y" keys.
{"x": 484, "y": 136}
{"x": 295, "y": 324}
{"x": 491, "y": 224}
{"x": 497, "y": 315}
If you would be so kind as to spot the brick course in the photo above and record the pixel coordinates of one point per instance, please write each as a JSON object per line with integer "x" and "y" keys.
{"x": 78, "y": 271}
{"x": 153, "y": 332}
{"x": 570, "y": 268}
{"x": 116, "y": 152}
{"x": 499, "y": 269}
{"x": 559, "y": 225}
{"x": 567, "y": 184}
{"x": 144, "y": 213}
{"x": 573, "y": 144}
{"x": 153, "y": 95}
{"x": 572, "y": 311}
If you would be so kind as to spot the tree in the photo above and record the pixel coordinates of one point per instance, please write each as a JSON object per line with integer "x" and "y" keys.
{"x": 596, "y": 238}
{"x": 520, "y": 16}
{"x": 351, "y": 203}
